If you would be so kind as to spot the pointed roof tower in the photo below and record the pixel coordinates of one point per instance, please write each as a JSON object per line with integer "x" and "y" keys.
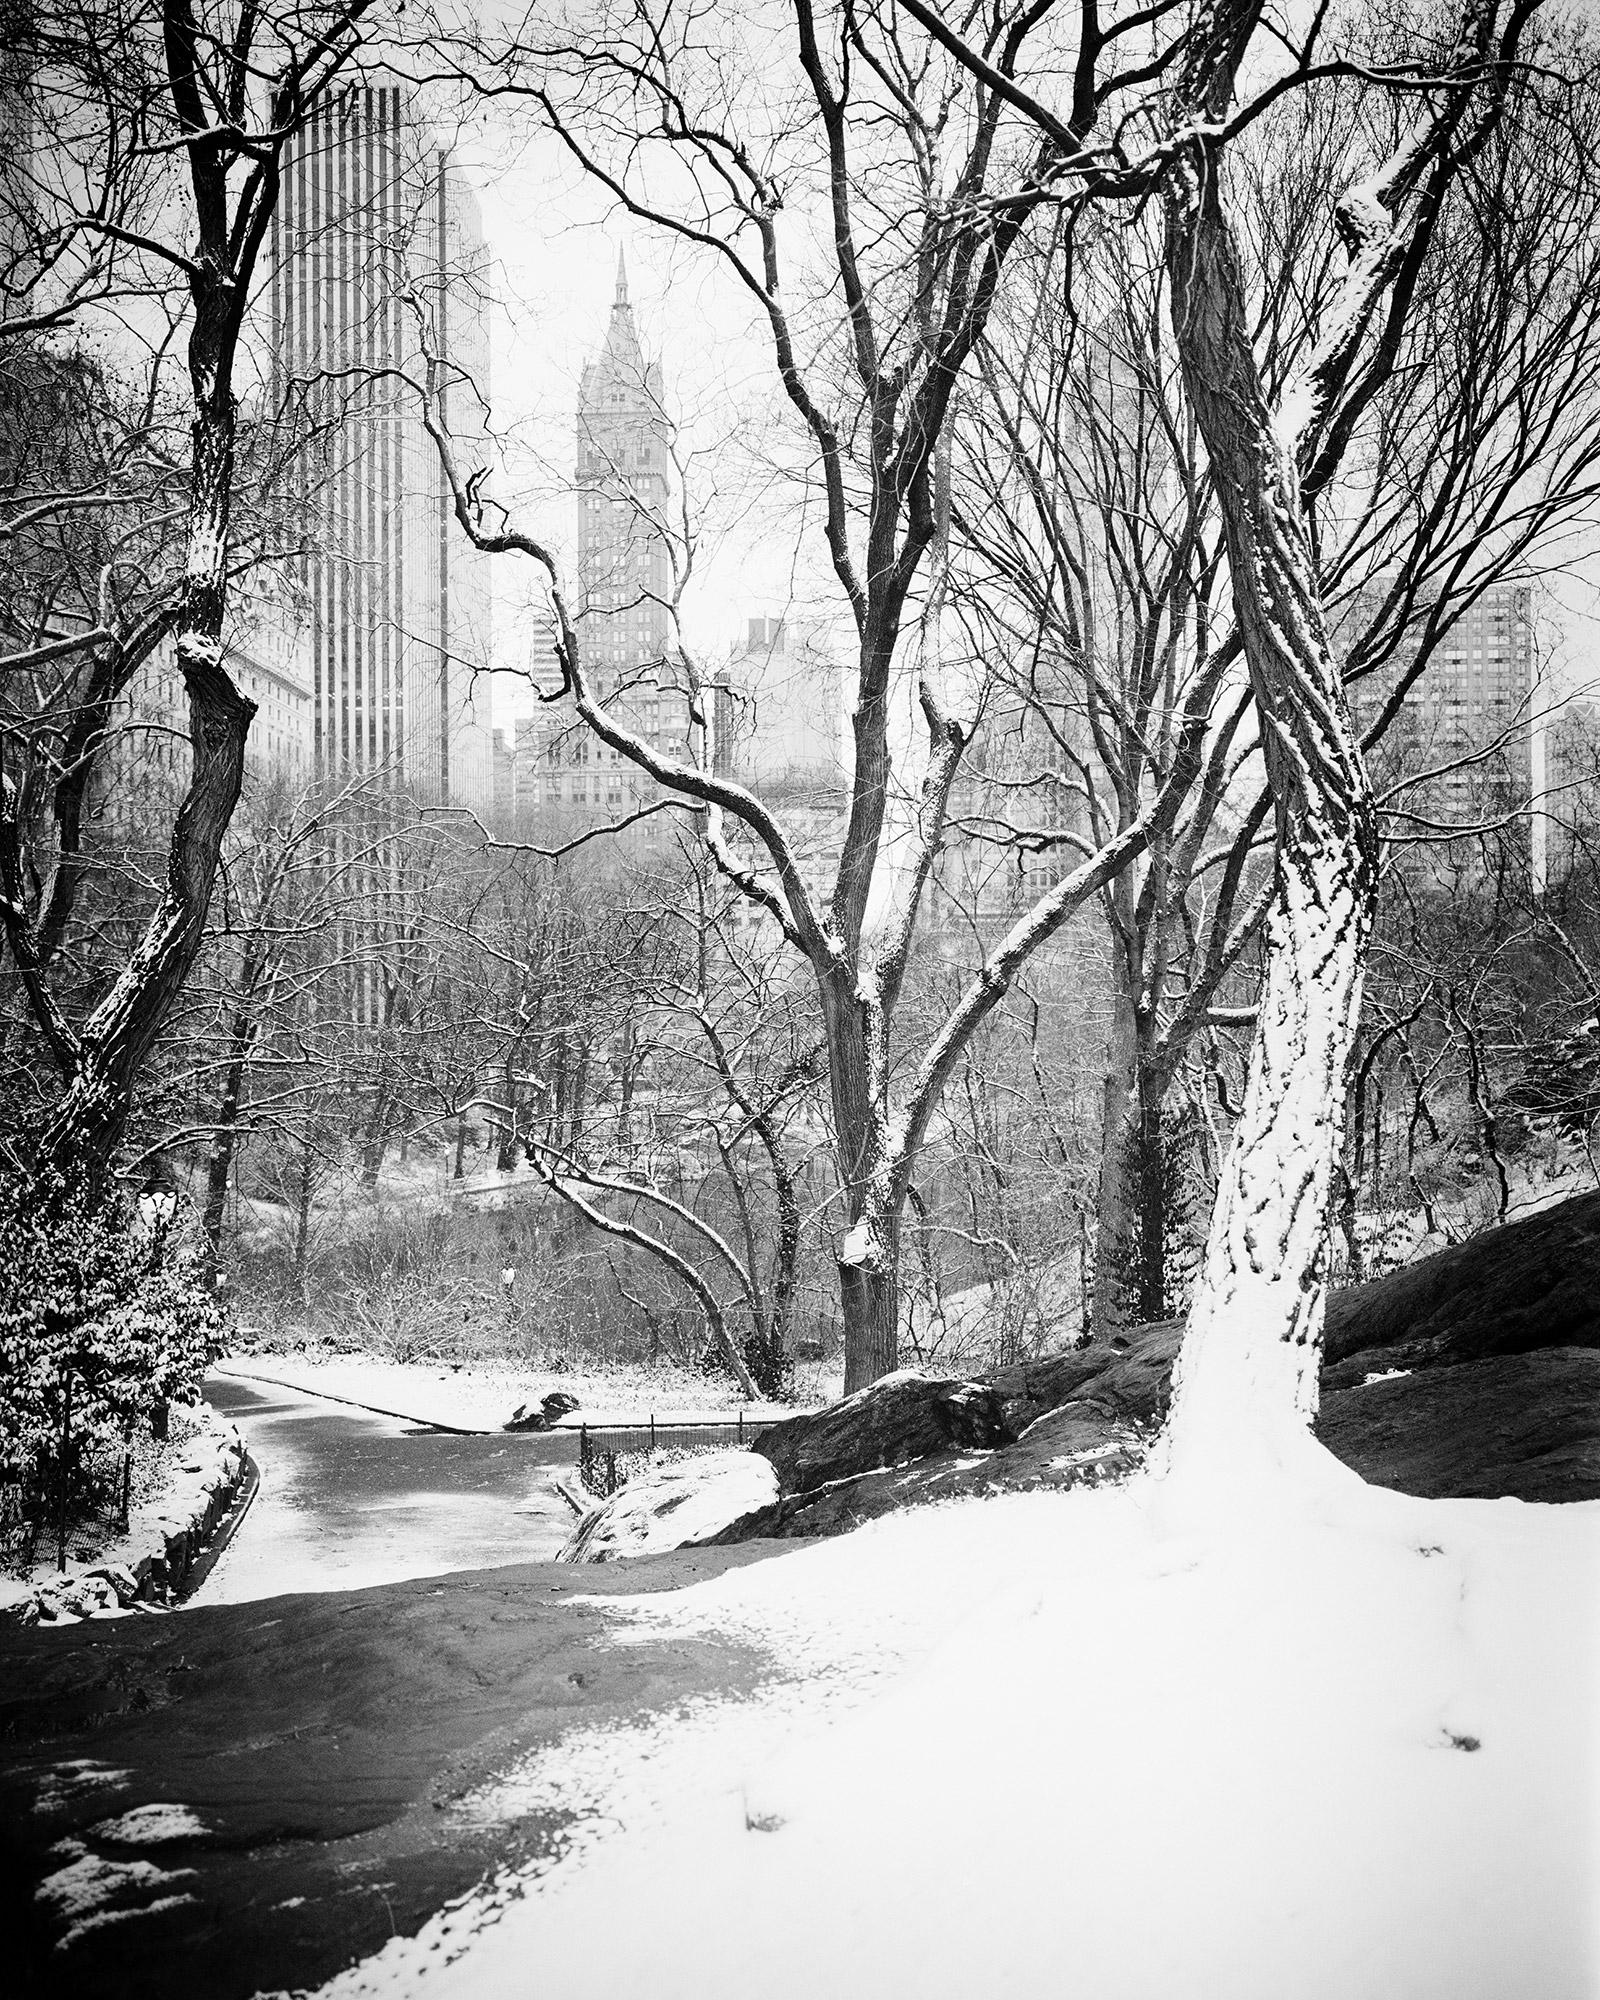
{"x": 621, "y": 387}
{"x": 622, "y": 357}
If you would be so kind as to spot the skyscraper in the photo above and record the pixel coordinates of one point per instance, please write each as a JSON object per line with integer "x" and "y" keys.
{"x": 781, "y": 706}
{"x": 1462, "y": 741}
{"x": 623, "y": 443}
{"x": 567, "y": 776}
{"x": 375, "y": 223}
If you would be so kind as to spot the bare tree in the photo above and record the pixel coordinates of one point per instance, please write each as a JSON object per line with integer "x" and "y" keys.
{"x": 923, "y": 182}
{"x": 288, "y": 892}
{"x": 1095, "y": 548}
{"x": 219, "y": 93}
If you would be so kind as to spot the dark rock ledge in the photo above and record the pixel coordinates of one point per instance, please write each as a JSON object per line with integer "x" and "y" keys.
{"x": 1474, "y": 1373}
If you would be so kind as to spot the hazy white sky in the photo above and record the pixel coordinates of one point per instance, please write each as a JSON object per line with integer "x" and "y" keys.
{"x": 554, "y": 237}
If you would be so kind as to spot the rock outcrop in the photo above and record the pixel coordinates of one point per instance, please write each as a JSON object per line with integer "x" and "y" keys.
{"x": 551, "y": 1410}
{"x": 901, "y": 1416}
{"x": 1073, "y": 1446}
{"x": 1528, "y": 1285}
{"x": 692, "y": 1503}
{"x": 1512, "y": 1426}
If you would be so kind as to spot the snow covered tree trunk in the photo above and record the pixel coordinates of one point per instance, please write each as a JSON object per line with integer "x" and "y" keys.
{"x": 1247, "y": 1375}
{"x": 1246, "y": 1383}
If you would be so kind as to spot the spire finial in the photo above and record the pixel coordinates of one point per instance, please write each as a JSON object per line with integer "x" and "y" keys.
{"x": 622, "y": 279}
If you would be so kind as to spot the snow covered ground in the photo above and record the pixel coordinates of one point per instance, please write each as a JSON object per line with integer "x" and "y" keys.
{"x": 484, "y": 1395}
{"x": 1067, "y": 1745}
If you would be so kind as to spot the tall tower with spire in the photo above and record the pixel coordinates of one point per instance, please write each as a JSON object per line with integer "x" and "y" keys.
{"x": 624, "y": 575}
{"x": 623, "y": 447}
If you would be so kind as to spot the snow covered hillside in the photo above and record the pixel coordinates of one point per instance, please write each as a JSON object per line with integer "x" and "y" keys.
{"x": 1065, "y": 1745}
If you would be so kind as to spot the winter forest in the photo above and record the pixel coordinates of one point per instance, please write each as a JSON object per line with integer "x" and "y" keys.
{"x": 800, "y": 802}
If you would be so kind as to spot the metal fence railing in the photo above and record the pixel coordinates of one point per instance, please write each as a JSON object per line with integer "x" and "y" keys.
{"x": 68, "y": 1517}
{"x": 608, "y": 1454}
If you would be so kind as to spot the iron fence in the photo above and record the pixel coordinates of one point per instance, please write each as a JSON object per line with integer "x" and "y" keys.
{"x": 610, "y": 1454}
{"x": 72, "y": 1508}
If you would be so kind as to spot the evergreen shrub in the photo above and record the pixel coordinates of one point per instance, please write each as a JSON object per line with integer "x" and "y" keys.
{"x": 109, "y": 1318}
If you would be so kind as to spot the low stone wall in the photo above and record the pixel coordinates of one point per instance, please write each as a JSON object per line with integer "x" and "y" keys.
{"x": 166, "y": 1537}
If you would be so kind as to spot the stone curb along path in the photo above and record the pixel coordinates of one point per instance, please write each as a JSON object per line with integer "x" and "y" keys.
{"x": 171, "y": 1541}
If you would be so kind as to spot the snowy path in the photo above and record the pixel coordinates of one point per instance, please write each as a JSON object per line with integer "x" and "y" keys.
{"x": 349, "y": 1500}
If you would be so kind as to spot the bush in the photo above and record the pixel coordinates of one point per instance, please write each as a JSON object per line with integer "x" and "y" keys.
{"x": 108, "y": 1318}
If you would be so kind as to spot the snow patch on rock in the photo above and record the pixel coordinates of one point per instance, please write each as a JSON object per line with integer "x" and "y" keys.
{"x": 150, "y": 1826}
{"x": 91, "y": 1891}
{"x": 65, "y": 1783}
{"x": 678, "y": 1506}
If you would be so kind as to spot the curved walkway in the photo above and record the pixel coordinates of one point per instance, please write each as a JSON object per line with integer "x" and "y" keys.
{"x": 350, "y": 1497}
{"x": 246, "y": 1798}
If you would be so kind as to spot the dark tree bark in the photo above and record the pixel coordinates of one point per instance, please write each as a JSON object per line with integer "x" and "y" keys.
{"x": 224, "y": 1139}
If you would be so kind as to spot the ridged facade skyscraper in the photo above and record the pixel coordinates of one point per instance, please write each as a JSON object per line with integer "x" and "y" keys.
{"x": 372, "y": 215}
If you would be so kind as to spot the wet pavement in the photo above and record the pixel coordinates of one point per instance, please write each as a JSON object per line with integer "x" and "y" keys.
{"x": 348, "y": 1500}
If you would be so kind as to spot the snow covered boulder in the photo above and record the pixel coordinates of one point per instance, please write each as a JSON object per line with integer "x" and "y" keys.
{"x": 1077, "y": 1445}
{"x": 716, "y": 1496}
{"x": 899, "y": 1417}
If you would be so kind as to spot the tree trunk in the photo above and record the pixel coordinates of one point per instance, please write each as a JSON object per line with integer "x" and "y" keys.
{"x": 1245, "y": 1388}
{"x": 505, "y": 1158}
{"x": 869, "y": 1258}
{"x": 376, "y": 1142}
{"x": 869, "y": 1292}
{"x": 577, "y": 1098}
{"x": 557, "y": 1109}
{"x": 84, "y": 1129}
{"x": 1116, "y": 1240}
{"x": 1250, "y": 1358}
{"x": 786, "y": 1260}
{"x": 224, "y": 1139}
{"x": 1155, "y": 1193}
{"x": 302, "y": 1219}
{"x": 87, "y": 1123}
{"x": 625, "y": 1094}
{"x": 1130, "y": 1267}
